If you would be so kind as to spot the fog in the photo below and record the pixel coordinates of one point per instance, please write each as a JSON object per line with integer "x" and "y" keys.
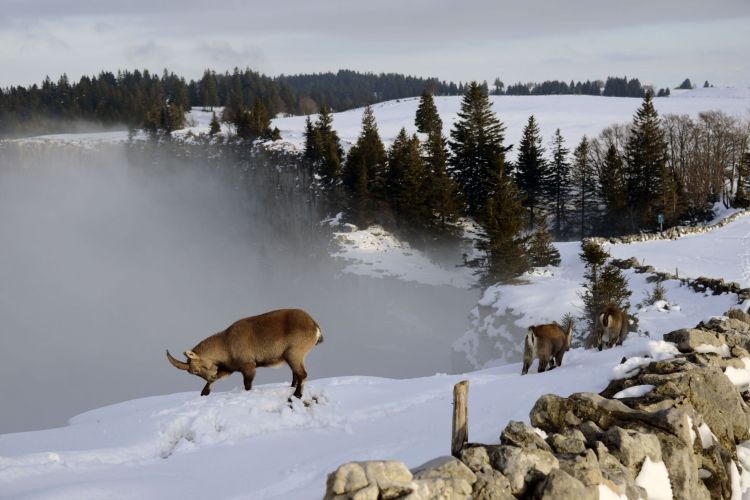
{"x": 107, "y": 258}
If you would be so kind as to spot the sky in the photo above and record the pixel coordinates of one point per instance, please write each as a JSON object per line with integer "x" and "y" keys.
{"x": 661, "y": 42}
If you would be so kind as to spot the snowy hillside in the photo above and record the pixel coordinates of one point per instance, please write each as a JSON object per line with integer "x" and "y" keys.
{"x": 575, "y": 116}
{"x": 254, "y": 445}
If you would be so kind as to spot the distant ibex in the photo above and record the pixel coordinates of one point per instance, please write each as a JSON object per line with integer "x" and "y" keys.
{"x": 548, "y": 343}
{"x": 612, "y": 322}
{"x": 286, "y": 335}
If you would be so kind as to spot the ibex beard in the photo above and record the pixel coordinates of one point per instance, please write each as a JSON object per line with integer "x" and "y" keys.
{"x": 270, "y": 339}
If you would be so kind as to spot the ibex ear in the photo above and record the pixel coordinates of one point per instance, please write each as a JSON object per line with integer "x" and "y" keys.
{"x": 191, "y": 355}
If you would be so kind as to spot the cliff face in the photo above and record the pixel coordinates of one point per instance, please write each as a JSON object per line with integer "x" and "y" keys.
{"x": 676, "y": 427}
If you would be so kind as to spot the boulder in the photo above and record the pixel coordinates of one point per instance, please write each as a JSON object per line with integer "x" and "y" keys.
{"x": 439, "y": 489}
{"x": 569, "y": 441}
{"x": 519, "y": 465}
{"x": 476, "y": 458}
{"x": 632, "y": 447}
{"x": 445, "y": 467}
{"x": 688, "y": 339}
{"x": 583, "y": 467}
{"x": 521, "y": 435}
{"x": 492, "y": 485}
{"x": 559, "y": 484}
{"x": 347, "y": 479}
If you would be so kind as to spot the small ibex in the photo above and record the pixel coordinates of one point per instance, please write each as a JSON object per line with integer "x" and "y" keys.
{"x": 612, "y": 322}
{"x": 270, "y": 339}
{"x": 548, "y": 343}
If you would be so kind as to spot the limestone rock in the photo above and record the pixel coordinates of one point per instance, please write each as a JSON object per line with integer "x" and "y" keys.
{"x": 492, "y": 485}
{"x": 521, "y": 435}
{"x": 631, "y": 447}
{"x": 688, "y": 339}
{"x": 445, "y": 467}
{"x": 476, "y": 458}
{"x": 518, "y": 464}
{"x": 570, "y": 441}
{"x": 559, "y": 484}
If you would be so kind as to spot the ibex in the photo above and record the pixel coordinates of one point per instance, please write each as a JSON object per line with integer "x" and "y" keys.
{"x": 612, "y": 322}
{"x": 548, "y": 343}
{"x": 286, "y": 335}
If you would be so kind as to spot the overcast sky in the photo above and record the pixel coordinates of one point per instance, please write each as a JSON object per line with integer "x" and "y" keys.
{"x": 659, "y": 41}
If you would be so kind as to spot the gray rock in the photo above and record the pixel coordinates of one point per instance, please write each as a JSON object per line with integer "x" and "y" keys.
{"x": 518, "y": 464}
{"x": 521, "y": 435}
{"x": 714, "y": 397}
{"x": 559, "y": 484}
{"x": 739, "y": 315}
{"x": 553, "y": 413}
{"x": 447, "y": 468}
{"x": 348, "y": 478}
{"x": 725, "y": 324}
{"x": 476, "y": 458}
{"x": 584, "y": 467}
{"x": 687, "y": 339}
{"x": 439, "y": 489}
{"x": 569, "y": 441}
{"x": 371, "y": 492}
{"x": 492, "y": 485}
{"x": 591, "y": 432}
{"x": 631, "y": 447}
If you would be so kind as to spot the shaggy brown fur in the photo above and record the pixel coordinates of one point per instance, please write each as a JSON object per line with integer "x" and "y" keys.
{"x": 548, "y": 343}
{"x": 270, "y": 339}
{"x": 612, "y": 322}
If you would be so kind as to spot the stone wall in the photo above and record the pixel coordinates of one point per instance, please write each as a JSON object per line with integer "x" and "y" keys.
{"x": 670, "y": 234}
{"x": 686, "y": 415}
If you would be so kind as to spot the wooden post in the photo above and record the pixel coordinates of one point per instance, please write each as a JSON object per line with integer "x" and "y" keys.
{"x": 460, "y": 435}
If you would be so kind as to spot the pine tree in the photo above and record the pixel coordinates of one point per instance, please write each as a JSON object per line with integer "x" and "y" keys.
{"x": 478, "y": 156}
{"x": 405, "y": 180}
{"x": 365, "y": 168}
{"x": 742, "y": 194}
{"x": 559, "y": 187}
{"x": 583, "y": 183}
{"x": 327, "y": 147}
{"x": 541, "y": 250}
{"x": 209, "y": 97}
{"x": 214, "y": 127}
{"x": 646, "y": 167}
{"x": 686, "y": 84}
{"x": 260, "y": 120}
{"x": 427, "y": 119}
{"x": 613, "y": 190}
{"x": 504, "y": 248}
{"x": 532, "y": 176}
{"x": 442, "y": 199}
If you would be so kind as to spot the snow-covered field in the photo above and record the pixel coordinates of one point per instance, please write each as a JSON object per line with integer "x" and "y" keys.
{"x": 722, "y": 253}
{"x": 575, "y": 116}
{"x": 253, "y": 445}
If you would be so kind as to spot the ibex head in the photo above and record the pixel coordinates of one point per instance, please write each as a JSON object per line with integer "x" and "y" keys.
{"x": 195, "y": 365}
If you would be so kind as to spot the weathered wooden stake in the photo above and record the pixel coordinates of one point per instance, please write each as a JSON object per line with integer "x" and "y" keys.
{"x": 460, "y": 434}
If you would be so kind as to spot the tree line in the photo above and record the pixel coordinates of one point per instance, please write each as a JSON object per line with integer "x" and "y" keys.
{"x": 654, "y": 170}
{"x": 141, "y": 99}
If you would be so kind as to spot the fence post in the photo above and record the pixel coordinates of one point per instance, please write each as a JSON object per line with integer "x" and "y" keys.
{"x": 460, "y": 434}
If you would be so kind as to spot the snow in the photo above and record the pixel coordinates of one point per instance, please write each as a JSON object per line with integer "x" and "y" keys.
{"x": 720, "y": 253}
{"x": 257, "y": 445}
{"x": 740, "y": 377}
{"x": 260, "y": 447}
{"x": 377, "y": 253}
{"x": 574, "y": 115}
{"x": 707, "y": 437}
{"x": 722, "y": 350}
{"x": 635, "y": 391}
{"x": 654, "y": 478}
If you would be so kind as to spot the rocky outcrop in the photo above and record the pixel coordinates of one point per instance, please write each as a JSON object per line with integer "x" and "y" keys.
{"x": 690, "y": 416}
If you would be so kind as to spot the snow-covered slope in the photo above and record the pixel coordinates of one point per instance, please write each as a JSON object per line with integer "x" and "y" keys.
{"x": 254, "y": 445}
{"x": 721, "y": 253}
{"x": 575, "y": 116}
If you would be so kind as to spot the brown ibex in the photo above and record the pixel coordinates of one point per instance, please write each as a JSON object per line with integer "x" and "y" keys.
{"x": 285, "y": 335}
{"x": 548, "y": 343}
{"x": 612, "y": 322}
